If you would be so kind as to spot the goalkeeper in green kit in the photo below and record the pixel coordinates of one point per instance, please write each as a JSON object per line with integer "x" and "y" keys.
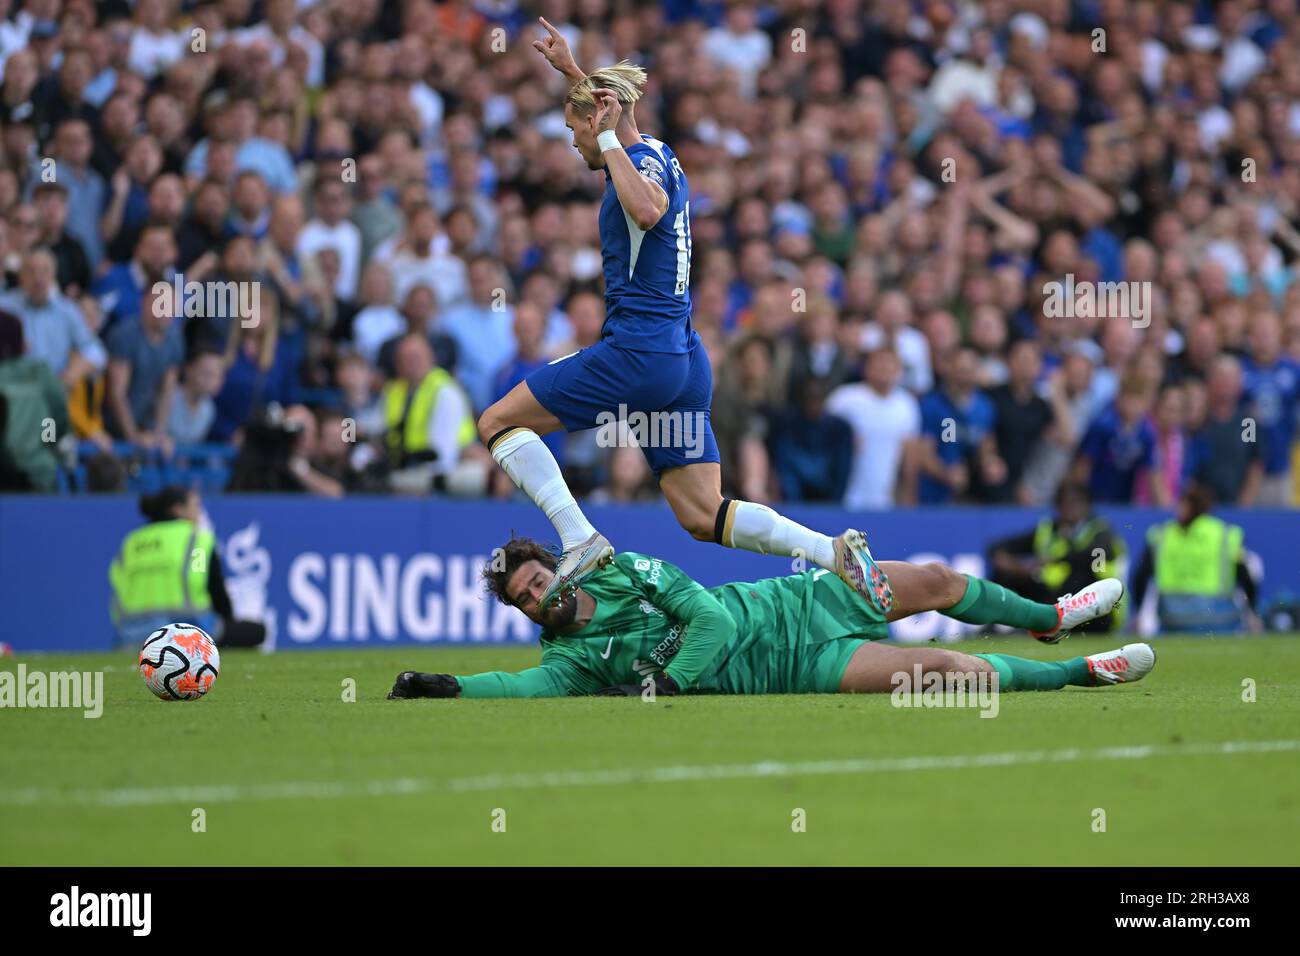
{"x": 641, "y": 627}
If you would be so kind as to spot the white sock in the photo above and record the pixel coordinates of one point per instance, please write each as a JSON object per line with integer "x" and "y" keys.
{"x": 756, "y": 527}
{"x": 532, "y": 467}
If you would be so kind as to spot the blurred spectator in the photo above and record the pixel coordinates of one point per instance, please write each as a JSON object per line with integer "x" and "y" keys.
{"x": 817, "y": 353}
{"x": 1119, "y": 449}
{"x": 811, "y": 450}
{"x": 376, "y": 215}
{"x": 885, "y": 420}
{"x": 22, "y": 235}
{"x": 418, "y": 311}
{"x": 1199, "y": 563}
{"x": 378, "y": 319}
{"x": 72, "y": 268}
{"x": 129, "y": 188}
{"x": 250, "y": 206}
{"x": 957, "y": 451}
{"x": 31, "y": 400}
{"x": 193, "y": 407}
{"x": 87, "y": 194}
{"x": 355, "y": 379}
{"x": 422, "y": 256}
{"x": 203, "y": 228}
{"x": 120, "y": 288}
{"x": 1227, "y": 450}
{"x": 1025, "y": 421}
{"x": 630, "y": 479}
{"x": 235, "y": 123}
{"x": 482, "y": 326}
{"x": 144, "y": 359}
{"x": 1271, "y": 383}
{"x": 258, "y": 370}
{"x": 53, "y": 328}
{"x": 427, "y": 416}
{"x": 892, "y": 326}
{"x": 331, "y": 228}
{"x": 739, "y": 416}
{"x": 1172, "y": 456}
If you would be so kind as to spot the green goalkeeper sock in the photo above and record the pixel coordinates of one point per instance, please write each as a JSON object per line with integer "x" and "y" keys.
{"x": 1020, "y": 673}
{"x": 987, "y": 603}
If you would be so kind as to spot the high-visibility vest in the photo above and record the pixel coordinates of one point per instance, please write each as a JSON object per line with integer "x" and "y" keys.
{"x": 163, "y": 566}
{"x": 413, "y": 435}
{"x": 1053, "y": 549}
{"x": 1200, "y": 559}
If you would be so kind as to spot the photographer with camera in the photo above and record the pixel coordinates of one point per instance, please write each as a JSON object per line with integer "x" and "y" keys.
{"x": 277, "y": 454}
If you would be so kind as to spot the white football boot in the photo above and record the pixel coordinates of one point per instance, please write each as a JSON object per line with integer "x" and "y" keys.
{"x": 576, "y": 566}
{"x": 1131, "y": 662}
{"x": 1096, "y": 600}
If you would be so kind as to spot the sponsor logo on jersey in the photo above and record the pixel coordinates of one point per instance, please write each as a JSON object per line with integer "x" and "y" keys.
{"x": 665, "y": 650}
{"x": 651, "y": 569}
{"x": 652, "y": 169}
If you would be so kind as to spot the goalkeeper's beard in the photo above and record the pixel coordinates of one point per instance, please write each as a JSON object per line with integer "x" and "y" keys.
{"x": 563, "y": 614}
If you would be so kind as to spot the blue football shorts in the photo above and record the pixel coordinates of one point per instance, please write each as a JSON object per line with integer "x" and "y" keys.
{"x": 660, "y": 399}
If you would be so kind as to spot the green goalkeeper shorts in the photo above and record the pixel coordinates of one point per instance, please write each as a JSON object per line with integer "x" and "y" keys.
{"x": 806, "y": 649}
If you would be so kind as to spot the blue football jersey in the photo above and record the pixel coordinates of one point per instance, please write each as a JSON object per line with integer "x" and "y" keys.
{"x": 647, "y": 272}
{"x": 1273, "y": 393}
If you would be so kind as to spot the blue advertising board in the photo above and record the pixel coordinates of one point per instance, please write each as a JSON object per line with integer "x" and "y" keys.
{"x": 382, "y": 571}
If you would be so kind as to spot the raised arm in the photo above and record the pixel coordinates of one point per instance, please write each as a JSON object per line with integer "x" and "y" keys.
{"x": 556, "y": 50}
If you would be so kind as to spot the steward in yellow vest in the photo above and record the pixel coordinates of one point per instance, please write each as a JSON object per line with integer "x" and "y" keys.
{"x": 1063, "y": 554}
{"x": 167, "y": 571}
{"x": 427, "y": 417}
{"x": 1198, "y": 562}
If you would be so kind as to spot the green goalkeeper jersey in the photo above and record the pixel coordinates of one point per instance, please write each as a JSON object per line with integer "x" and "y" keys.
{"x": 792, "y": 634}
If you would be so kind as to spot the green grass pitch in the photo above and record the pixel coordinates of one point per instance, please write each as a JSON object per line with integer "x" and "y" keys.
{"x": 287, "y": 772}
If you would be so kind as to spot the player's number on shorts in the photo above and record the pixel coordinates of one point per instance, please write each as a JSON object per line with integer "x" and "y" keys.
{"x": 682, "y": 226}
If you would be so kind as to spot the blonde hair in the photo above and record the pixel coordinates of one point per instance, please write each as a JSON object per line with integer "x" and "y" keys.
{"x": 625, "y": 79}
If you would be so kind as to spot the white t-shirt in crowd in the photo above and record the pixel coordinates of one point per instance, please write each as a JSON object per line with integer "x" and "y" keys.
{"x": 913, "y": 351}
{"x": 881, "y": 425}
{"x": 345, "y": 239}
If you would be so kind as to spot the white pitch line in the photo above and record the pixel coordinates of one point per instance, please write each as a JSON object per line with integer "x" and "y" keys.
{"x": 330, "y": 790}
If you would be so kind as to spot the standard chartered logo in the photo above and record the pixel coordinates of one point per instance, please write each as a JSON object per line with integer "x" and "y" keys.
{"x": 669, "y": 646}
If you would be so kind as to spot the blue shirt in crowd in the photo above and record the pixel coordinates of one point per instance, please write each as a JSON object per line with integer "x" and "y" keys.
{"x": 1118, "y": 454}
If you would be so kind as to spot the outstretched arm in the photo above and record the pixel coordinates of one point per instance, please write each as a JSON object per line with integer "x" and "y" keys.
{"x": 554, "y": 679}
{"x": 556, "y": 50}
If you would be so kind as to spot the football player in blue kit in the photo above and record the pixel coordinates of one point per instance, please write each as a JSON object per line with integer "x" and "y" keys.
{"x": 649, "y": 359}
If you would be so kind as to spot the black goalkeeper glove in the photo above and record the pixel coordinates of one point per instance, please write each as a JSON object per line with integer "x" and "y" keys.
{"x": 414, "y": 684}
{"x": 663, "y": 685}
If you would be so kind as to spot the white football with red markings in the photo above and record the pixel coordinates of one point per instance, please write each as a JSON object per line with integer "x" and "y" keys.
{"x": 179, "y": 662}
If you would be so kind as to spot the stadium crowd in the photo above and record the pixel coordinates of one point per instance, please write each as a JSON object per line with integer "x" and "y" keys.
{"x": 881, "y": 193}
